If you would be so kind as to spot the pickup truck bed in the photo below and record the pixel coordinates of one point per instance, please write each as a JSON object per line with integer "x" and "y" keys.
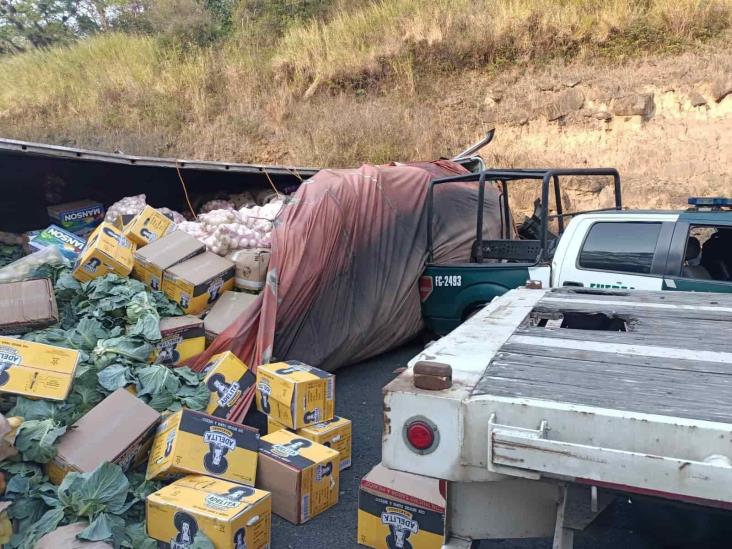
{"x": 673, "y": 360}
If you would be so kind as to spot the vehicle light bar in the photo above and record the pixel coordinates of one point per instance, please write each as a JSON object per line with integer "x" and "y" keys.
{"x": 710, "y": 201}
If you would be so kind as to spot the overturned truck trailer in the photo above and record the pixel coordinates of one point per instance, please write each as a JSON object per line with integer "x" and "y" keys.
{"x": 34, "y": 176}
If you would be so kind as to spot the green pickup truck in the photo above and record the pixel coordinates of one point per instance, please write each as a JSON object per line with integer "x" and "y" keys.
{"x": 687, "y": 250}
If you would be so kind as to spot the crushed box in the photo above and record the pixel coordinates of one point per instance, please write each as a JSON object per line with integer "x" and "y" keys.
{"x": 251, "y": 267}
{"x": 225, "y": 311}
{"x": 80, "y": 217}
{"x": 295, "y": 394}
{"x": 182, "y": 338}
{"x": 196, "y": 283}
{"x": 335, "y": 433}
{"x": 189, "y": 442}
{"x": 397, "y": 509}
{"x": 227, "y": 379}
{"x": 117, "y": 430}
{"x": 148, "y": 226}
{"x": 67, "y": 242}
{"x": 107, "y": 251}
{"x": 301, "y": 475}
{"x": 232, "y": 516}
{"x": 152, "y": 260}
{"x": 27, "y": 305}
{"x": 36, "y": 370}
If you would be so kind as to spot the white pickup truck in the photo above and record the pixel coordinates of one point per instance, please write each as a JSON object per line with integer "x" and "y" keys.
{"x": 546, "y": 402}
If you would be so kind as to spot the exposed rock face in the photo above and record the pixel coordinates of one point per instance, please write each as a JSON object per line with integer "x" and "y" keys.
{"x": 722, "y": 87}
{"x": 697, "y": 99}
{"x": 637, "y": 104}
{"x": 568, "y": 101}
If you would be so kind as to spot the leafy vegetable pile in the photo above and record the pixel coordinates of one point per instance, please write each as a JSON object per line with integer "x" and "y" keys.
{"x": 114, "y": 322}
{"x": 9, "y": 253}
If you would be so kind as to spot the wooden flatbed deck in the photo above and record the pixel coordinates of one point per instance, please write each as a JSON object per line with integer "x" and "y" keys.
{"x": 664, "y": 353}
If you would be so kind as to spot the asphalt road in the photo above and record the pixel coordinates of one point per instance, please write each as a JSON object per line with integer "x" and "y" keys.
{"x": 359, "y": 398}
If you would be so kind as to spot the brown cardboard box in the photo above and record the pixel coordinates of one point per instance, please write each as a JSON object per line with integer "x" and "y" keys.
{"x": 225, "y": 311}
{"x": 107, "y": 251}
{"x": 335, "y": 433}
{"x": 228, "y": 379}
{"x": 27, "y": 305}
{"x": 117, "y": 430}
{"x": 251, "y": 267}
{"x": 162, "y": 254}
{"x": 295, "y": 394}
{"x": 302, "y": 475}
{"x": 183, "y": 338}
{"x": 231, "y": 516}
{"x": 36, "y": 370}
{"x": 195, "y": 284}
{"x": 397, "y": 509}
{"x": 189, "y": 442}
{"x": 148, "y": 226}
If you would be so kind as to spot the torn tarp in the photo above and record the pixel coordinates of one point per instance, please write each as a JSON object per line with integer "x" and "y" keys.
{"x": 347, "y": 253}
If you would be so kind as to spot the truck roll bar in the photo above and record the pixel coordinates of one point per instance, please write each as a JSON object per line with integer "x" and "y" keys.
{"x": 546, "y": 175}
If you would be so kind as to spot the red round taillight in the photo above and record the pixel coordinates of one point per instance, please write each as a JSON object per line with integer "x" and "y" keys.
{"x": 421, "y": 435}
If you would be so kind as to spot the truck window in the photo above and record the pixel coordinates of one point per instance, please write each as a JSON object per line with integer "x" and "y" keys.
{"x": 620, "y": 246}
{"x": 708, "y": 253}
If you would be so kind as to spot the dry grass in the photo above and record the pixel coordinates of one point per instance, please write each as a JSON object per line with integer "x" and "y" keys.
{"x": 386, "y": 68}
{"x": 391, "y": 37}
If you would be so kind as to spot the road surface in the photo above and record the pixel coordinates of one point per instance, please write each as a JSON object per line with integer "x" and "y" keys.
{"x": 359, "y": 398}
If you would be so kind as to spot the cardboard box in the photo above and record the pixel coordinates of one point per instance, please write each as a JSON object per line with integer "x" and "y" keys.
{"x": 121, "y": 221}
{"x": 80, "y": 217}
{"x": 67, "y": 242}
{"x": 183, "y": 338}
{"x": 225, "y": 311}
{"x": 152, "y": 260}
{"x": 335, "y": 433}
{"x": 196, "y": 283}
{"x": 273, "y": 425}
{"x": 117, "y": 430}
{"x": 148, "y": 226}
{"x": 107, "y": 251}
{"x": 27, "y": 305}
{"x": 251, "y": 267}
{"x": 302, "y": 475}
{"x": 36, "y": 370}
{"x": 189, "y": 442}
{"x": 295, "y": 394}
{"x": 398, "y": 509}
{"x": 228, "y": 379}
{"x": 232, "y": 516}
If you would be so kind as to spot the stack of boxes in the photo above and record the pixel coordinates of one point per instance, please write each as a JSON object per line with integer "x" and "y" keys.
{"x": 299, "y": 463}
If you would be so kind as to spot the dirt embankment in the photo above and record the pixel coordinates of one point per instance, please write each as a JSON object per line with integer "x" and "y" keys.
{"x": 665, "y": 123}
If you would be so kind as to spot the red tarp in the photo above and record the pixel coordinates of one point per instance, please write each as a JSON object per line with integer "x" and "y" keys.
{"x": 347, "y": 252}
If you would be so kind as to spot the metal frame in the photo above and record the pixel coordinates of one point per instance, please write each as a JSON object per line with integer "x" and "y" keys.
{"x": 503, "y": 176}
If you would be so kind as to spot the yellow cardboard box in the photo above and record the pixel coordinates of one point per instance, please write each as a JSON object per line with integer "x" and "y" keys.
{"x": 196, "y": 283}
{"x": 397, "y": 509}
{"x": 152, "y": 260}
{"x": 227, "y": 378}
{"x": 189, "y": 442}
{"x": 301, "y": 475}
{"x": 36, "y": 370}
{"x": 107, "y": 251}
{"x": 183, "y": 338}
{"x": 295, "y": 394}
{"x": 232, "y": 516}
{"x": 148, "y": 226}
{"x": 335, "y": 433}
